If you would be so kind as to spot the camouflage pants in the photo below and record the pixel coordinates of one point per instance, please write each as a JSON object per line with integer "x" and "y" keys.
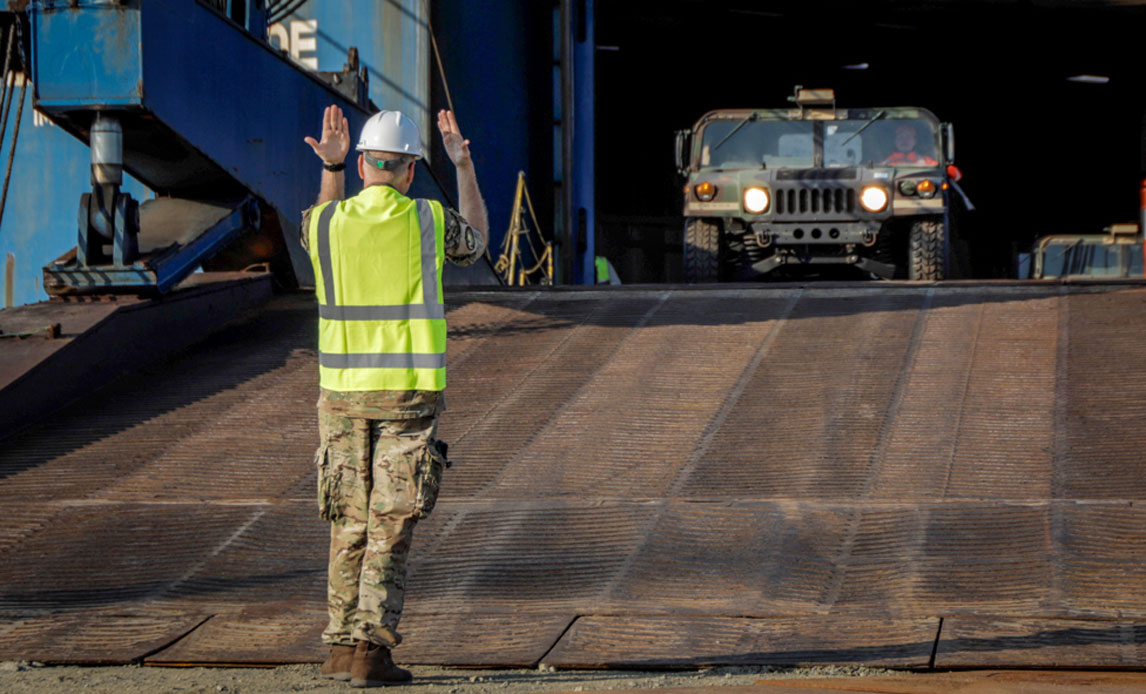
{"x": 376, "y": 478}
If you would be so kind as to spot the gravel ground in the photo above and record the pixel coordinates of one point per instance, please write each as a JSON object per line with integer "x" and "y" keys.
{"x": 33, "y": 677}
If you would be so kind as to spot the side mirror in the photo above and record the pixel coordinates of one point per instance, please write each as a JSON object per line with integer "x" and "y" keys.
{"x": 949, "y": 141}
{"x": 683, "y": 145}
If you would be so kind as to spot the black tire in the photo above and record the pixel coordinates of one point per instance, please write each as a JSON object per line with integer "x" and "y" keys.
{"x": 701, "y": 251}
{"x": 927, "y": 250}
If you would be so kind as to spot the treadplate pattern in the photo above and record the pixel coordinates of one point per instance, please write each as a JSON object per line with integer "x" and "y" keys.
{"x": 877, "y": 474}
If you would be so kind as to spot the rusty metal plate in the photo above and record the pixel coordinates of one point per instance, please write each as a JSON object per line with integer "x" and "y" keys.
{"x": 293, "y": 636}
{"x": 659, "y": 642}
{"x": 102, "y": 342}
{"x": 273, "y": 561}
{"x": 765, "y": 558}
{"x": 748, "y": 558}
{"x": 880, "y": 395}
{"x": 477, "y": 640}
{"x": 1103, "y": 555}
{"x": 103, "y": 554}
{"x": 525, "y": 557}
{"x": 507, "y": 392}
{"x": 991, "y": 642}
{"x": 617, "y": 379}
{"x": 256, "y": 637}
{"x": 22, "y": 520}
{"x": 1102, "y": 397}
{"x": 168, "y": 432}
{"x": 94, "y": 637}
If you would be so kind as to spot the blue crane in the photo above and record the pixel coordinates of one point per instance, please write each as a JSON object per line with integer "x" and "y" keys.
{"x": 190, "y": 99}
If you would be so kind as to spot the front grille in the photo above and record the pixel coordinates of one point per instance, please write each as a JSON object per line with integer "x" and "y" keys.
{"x": 794, "y": 201}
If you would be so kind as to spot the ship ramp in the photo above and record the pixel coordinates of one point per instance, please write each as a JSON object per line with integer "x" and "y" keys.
{"x": 904, "y": 475}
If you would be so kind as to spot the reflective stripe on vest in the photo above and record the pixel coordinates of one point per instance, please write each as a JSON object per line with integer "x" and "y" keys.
{"x": 379, "y": 346}
{"x": 382, "y": 361}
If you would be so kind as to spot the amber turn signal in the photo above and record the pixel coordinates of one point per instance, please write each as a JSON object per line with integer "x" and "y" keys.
{"x": 705, "y": 191}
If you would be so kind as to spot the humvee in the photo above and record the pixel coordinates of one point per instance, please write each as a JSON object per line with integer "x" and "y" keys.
{"x": 809, "y": 186}
{"x": 1117, "y": 253}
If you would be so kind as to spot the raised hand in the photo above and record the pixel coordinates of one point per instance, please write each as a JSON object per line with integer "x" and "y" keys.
{"x": 457, "y": 148}
{"x": 335, "y": 137}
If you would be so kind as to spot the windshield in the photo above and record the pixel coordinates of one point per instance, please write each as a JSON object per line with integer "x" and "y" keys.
{"x": 884, "y": 142}
{"x": 1080, "y": 259}
{"x": 791, "y": 144}
{"x": 773, "y": 144}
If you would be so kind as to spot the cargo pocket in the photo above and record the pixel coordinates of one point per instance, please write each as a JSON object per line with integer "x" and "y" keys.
{"x": 328, "y": 487}
{"x": 431, "y": 467}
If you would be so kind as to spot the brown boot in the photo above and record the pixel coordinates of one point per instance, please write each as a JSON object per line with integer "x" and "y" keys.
{"x": 337, "y": 664}
{"x": 373, "y": 667}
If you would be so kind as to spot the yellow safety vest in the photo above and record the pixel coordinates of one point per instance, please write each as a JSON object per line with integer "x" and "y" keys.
{"x": 378, "y": 261}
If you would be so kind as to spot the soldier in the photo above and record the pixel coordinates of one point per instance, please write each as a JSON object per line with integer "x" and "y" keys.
{"x": 378, "y": 261}
{"x": 905, "y": 154}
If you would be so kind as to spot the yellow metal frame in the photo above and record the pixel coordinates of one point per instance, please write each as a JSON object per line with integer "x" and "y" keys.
{"x": 510, "y": 264}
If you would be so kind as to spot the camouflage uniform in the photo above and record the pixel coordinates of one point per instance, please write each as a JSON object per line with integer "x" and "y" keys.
{"x": 377, "y": 477}
{"x": 379, "y": 469}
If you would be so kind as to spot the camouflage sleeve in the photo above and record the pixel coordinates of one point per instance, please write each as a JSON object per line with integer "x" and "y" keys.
{"x": 303, "y": 231}
{"x": 464, "y": 244}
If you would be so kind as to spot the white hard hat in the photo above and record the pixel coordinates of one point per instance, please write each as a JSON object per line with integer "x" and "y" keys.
{"x": 390, "y": 131}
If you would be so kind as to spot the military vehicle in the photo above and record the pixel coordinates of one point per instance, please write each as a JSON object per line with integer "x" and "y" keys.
{"x": 1117, "y": 253}
{"x": 796, "y": 189}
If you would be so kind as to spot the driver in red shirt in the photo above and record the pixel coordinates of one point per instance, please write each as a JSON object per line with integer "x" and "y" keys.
{"x": 905, "y": 154}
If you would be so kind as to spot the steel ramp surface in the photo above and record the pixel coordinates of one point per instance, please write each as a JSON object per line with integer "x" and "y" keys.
{"x": 880, "y": 474}
{"x": 54, "y": 352}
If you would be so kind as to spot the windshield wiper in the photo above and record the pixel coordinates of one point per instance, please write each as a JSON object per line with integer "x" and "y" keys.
{"x": 747, "y": 119}
{"x": 863, "y": 127}
{"x": 1069, "y": 247}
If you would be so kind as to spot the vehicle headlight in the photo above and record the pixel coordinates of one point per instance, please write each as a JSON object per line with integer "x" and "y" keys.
{"x": 907, "y": 187}
{"x": 873, "y": 198}
{"x": 756, "y": 200}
